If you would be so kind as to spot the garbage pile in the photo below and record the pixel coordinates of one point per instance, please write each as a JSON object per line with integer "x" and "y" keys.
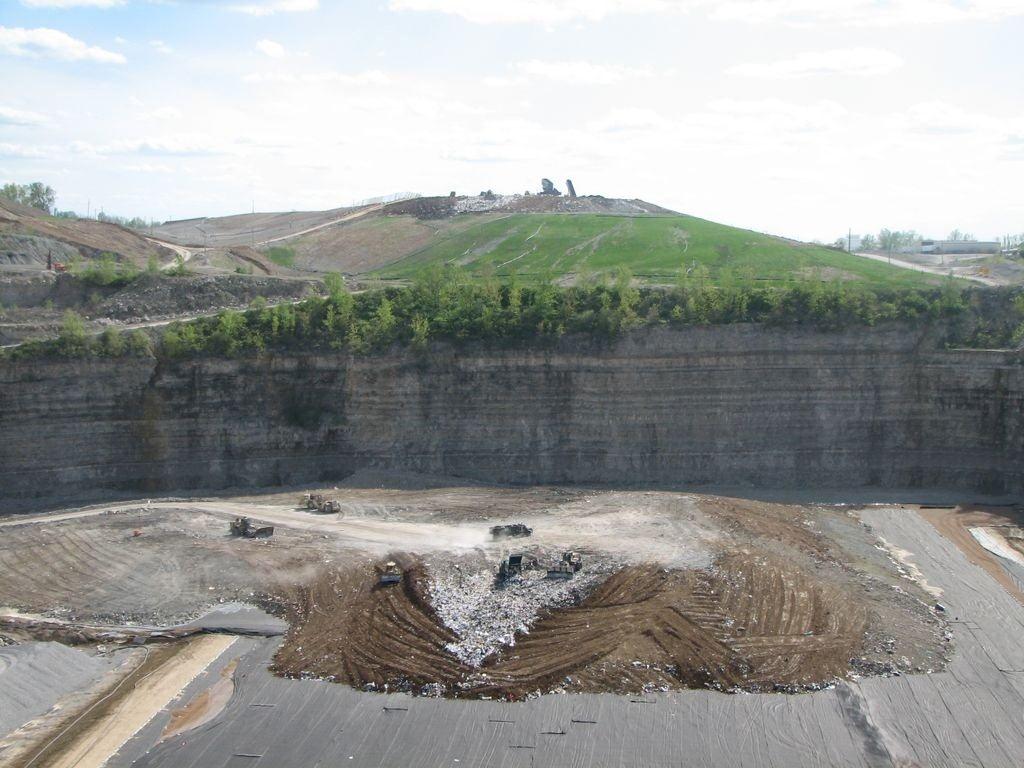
{"x": 486, "y": 618}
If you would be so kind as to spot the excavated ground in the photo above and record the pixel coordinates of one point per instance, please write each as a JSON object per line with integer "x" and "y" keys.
{"x": 678, "y": 590}
{"x": 753, "y": 623}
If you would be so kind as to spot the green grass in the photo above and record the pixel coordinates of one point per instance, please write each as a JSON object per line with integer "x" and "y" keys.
{"x": 654, "y": 248}
{"x": 282, "y": 255}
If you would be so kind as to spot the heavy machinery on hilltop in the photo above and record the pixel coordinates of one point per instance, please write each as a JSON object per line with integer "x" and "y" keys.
{"x": 243, "y": 527}
{"x": 315, "y": 502}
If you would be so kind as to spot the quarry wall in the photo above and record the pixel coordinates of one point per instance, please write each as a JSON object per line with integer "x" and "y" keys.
{"x": 733, "y": 405}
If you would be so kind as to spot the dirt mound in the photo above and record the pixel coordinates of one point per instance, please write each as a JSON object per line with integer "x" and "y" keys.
{"x": 753, "y": 622}
{"x": 245, "y": 228}
{"x": 423, "y": 207}
{"x": 355, "y": 631}
{"x": 88, "y": 237}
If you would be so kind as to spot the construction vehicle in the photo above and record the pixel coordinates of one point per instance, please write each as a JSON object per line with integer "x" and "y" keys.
{"x": 315, "y": 502}
{"x": 389, "y": 574}
{"x": 330, "y": 507}
{"x": 509, "y": 531}
{"x": 243, "y": 526}
{"x": 567, "y": 567}
{"x": 514, "y": 565}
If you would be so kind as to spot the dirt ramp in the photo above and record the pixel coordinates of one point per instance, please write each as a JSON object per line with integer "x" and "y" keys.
{"x": 353, "y": 630}
{"x": 752, "y": 623}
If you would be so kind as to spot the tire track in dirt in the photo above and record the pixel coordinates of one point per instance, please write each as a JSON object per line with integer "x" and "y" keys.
{"x": 753, "y": 622}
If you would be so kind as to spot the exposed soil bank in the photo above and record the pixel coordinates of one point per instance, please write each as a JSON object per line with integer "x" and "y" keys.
{"x": 736, "y": 405}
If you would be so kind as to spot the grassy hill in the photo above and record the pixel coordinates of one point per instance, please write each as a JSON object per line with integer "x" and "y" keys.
{"x": 654, "y": 248}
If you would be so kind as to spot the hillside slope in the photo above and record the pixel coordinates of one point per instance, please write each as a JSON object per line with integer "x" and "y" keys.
{"x": 27, "y": 235}
{"x": 654, "y": 248}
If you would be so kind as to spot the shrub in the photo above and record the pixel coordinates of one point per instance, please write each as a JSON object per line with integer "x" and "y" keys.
{"x": 72, "y": 340}
{"x": 107, "y": 271}
{"x": 179, "y": 269}
{"x": 112, "y": 343}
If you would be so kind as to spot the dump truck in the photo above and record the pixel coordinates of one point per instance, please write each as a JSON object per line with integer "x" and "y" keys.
{"x": 511, "y": 531}
{"x": 243, "y": 526}
{"x": 567, "y": 567}
{"x": 389, "y": 574}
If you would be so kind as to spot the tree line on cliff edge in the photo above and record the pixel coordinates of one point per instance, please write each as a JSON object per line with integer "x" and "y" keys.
{"x": 442, "y": 304}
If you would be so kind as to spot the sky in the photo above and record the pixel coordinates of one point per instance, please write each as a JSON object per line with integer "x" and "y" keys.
{"x": 804, "y": 118}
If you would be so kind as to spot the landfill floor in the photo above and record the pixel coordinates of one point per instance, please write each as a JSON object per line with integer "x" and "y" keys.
{"x": 696, "y": 621}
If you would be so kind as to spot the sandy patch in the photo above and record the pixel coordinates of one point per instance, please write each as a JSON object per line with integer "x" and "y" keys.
{"x": 152, "y": 694}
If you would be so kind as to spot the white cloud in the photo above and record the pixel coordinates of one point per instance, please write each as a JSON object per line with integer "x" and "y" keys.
{"x": 271, "y": 49}
{"x": 21, "y": 151}
{"x": 535, "y": 11}
{"x": 863, "y": 12}
{"x": 843, "y": 61}
{"x": 578, "y": 72}
{"x": 369, "y": 77}
{"x": 628, "y": 119}
{"x": 52, "y": 44}
{"x": 163, "y": 113}
{"x": 148, "y": 168}
{"x": 270, "y": 7}
{"x": 11, "y": 116}
{"x": 180, "y": 145}
{"x": 72, "y": 3}
{"x": 161, "y": 47}
{"x": 855, "y": 12}
{"x": 940, "y": 118}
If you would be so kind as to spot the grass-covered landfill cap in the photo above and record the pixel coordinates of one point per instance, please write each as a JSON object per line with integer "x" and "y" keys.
{"x": 655, "y": 248}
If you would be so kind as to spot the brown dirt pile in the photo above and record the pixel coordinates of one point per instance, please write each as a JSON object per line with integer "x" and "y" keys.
{"x": 754, "y": 622}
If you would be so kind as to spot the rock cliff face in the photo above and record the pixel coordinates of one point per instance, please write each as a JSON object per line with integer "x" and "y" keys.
{"x": 738, "y": 405}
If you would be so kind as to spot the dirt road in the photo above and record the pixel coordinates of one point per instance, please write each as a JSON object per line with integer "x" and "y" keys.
{"x": 179, "y": 250}
{"x": 348, "y": 217}
{"x": 148, "y": 696}
{"x": 941, "y": 271}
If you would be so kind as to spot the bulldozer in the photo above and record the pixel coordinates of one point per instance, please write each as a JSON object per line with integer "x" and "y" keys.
{"x": 570, "y": 564}
{"x": 243, "y": 526}
{"x": 389, "y": 574}
{"x": 514, "y": 565}
{"x": 315, "y": 502}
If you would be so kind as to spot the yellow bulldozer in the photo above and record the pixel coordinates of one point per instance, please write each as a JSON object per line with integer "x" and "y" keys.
{"x": 315, "y": 502}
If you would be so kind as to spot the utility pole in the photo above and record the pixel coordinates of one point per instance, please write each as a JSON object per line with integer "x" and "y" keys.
{"x": 849, "y": 240}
